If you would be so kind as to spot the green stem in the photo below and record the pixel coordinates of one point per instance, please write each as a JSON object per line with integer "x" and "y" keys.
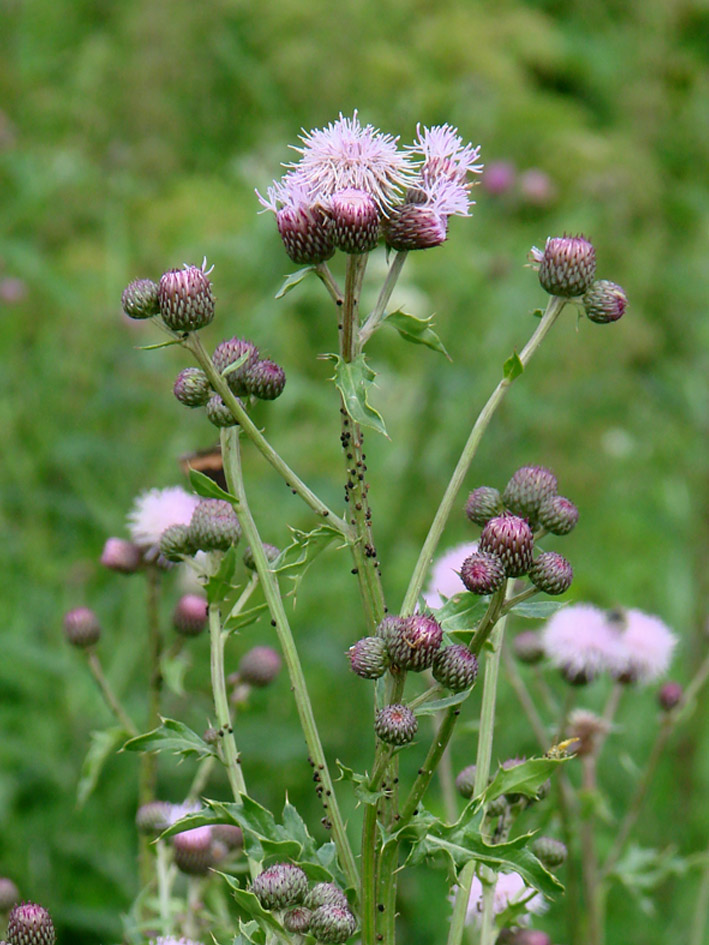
{"x": 375, "y": 318}
{"x": 227, "y": 742}
{"x": 524, "y": 595}
{"x": 108, "y": 694}
{"x": 460, "y": 908}
{"x": 164, "y": 879}
{"x": 701, "y": 910}
{"x": 354, "y": 276}
{"x": 322, "y": 271}
{"x": 428, "y": 550}
{"x": 294, "y": 482}
{"x": 232, "y": 468}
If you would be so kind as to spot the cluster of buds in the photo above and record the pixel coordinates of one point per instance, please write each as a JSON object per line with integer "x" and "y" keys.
{"x": 213, "y": 526}
{"x": 30, "y": 924}
{"x": 567, "y": 269}
{"x": 183, "y": 298}
{"x": 353, "y": 186}
{"x": 196, "y": 851}
{"x": 530, "y": 503}
{"x": 323, "y": 911}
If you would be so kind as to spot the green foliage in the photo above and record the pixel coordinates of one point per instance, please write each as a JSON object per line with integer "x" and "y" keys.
{"x": 174, "y": 737}
{"x": 354, "y": 379}
{"x": 418, "y": 331}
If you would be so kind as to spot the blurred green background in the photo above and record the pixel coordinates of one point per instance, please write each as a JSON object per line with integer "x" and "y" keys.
{"x": 132, "y": 136}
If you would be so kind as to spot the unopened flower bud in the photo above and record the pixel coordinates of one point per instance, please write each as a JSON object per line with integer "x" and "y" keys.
{"x": 175, "y": 542}
{"x": 121, "y": 555}
{"x": 415, "y": 226}
{"x": 186, "y": 300}
{"x": 550, "y": 852}
{"x": 558, "y": 515}
{"x": 140, "y": 299}
{"x": 511, "y": 539}
{"x": 214, "y": 526}
{"x": 218, "y": 413}
{"x": 498, "y": 806}
{"x": 355, "y": 218}
{"x": 9, "y": 894}
{"x": 395, "y": 724}
{"x": 154, "y": 817}
{"x": 229, "y": 834}
{"x": 192, "y": 387}
{"x": 527, "y": 489}
{"x": 483, "y": 573}
{"x": 465, "y": 781}
{"x": 528, "y": 648}
{"x": 211, "y": 735}
{"x": 270, "y": 551}
{"x": 192, "y": 851}
{"x": 325, "y": 894}
{"x": 483, "y": 503}
{"x": 230, "y": 352}
{"x": 369, "y": 657}
{"x": 670, "y": 696}
{"x": 391, "y": 624}
{"x": 551, "y": 573}
{"x": 280, "y": 886}
{"x": 567, "y": 266}
{"x": 604, "y": 302}
{"x": 455, "y": 667}
{"x": 414, "y": 643}
{"x": 82, "y": 627}
{"x": 297, "y": 920}
{"x": 259, "y": 666}
{"x": 265, "y": 379}
{"x": 190, "y": 616}
{"x": 306, "y": 233}
{"x": 30, "y": 924}
{"x": 332, "y": 924}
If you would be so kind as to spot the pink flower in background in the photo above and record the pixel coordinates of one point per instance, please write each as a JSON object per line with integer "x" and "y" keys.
{"x": 580, "y": 641}
{"x": 154, "y": 511}
{"x": 510, "y": 889}
{"x": 644, "y": 646}
{"x": 499, "y": 177}
{"x": 445, "y": 580}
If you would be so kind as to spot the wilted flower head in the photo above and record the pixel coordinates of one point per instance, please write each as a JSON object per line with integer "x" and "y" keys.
{"x": 445, "y": 580}
{"x": 644, "y": 646}
{"x": 580, "y": 642}
{"x": 154, "y": 511}
{"x": 510, "y": 889}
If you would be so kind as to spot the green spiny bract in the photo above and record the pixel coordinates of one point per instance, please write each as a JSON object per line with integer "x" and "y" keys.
{"x": 218, "y": 413}
{"x": 332, "y": 924}
{"x": 297, "y": 920}
{"x": 140, "y": 299}
{"x": 175, "y": 543}
{"x": 185, "y": 298}
{"x": 192, "y": 387}
{"x": 325, "y": 894}
{"x": 455, "y": 667}
{"x": 270, "y": 551}
{"x": 413, "y": 643}
{"x": 214, "y": 526}
{"x": 395, "y": 724}
{"x": 369, "y": 657}
{"x": 567, "y": 266}
{"x": 558, "y": 515}
{"x": 527, "y": 489}
{"x": 264, "y": 379}
{"x": 483, "y": 503}
{"x": 230, "y": 352}
{"x": 550, "y": 852}
{"x": 280, "y": 886}
{"x": 551, "y": 573}
{"x": 604, "y": 302}
{"x": 511, "y": 539}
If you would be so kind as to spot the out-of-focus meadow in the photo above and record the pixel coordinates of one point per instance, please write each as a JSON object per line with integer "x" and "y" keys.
{"x": 132, "y": 136}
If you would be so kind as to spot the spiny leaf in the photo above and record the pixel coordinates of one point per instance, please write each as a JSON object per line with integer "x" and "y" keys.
{"x": 245, "y": 618}
{"x": 219, "y": 585}
{"x": 304, "y": 548}
{"x": 208, "y": 488}
{"x": 360, "y": 781}
{"x": 160, "y": 344}
{"x": 171, "y": 736}
{"x": 512, "y": 367}
{"x": 294, "y": 279}
{"x": 353, "y": 379}
{"x": 537, "y": 609}
{"x": 418, "y": 331}
{"x": 430, "y": 708}
{"x": 103, "y": 744}
{"x": 461, "y": 612}
{"x": 525, "y": 778}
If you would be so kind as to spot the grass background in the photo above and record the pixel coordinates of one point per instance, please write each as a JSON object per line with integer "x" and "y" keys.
{"x": 132, "y": 136}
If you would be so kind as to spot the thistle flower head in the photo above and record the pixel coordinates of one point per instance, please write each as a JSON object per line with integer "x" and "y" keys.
{"x": 347, "y": 154}
{"x": 192, "y": 851}
{"x": 444, "y": 154}
{"x": 302, "y": 219}
{"x": 121, "y": 555}
{"x": 185, "y": 297}
{"x": 580, "y": 642}
{"x": 445, "y": 581}
{"x": 510, "y": 889}
{"x": 644, "y": 646}
{"x": 154, "y": 511}
{"x": 30, "y": 924}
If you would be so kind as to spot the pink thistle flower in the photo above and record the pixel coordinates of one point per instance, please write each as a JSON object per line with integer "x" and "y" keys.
{"x": 154, "y": 511}
{"x": 580, "y": 642}
{"x": 302, "y": 220}
{"x": 445, "y": 155}
{"x": 445, "y": 577}
{"x": 509, "y": 890}
{"x": 346, "y": 154}
{"x": 171, "y": 940}
{"x": 644, "y": 646}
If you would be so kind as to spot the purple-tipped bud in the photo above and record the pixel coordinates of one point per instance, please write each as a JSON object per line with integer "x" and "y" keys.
{"x": 270, "y": 551}
{"x": 550, "y": 852}
{"x": 551, "y": 573}
{"x": 214, "y": 526}
{"x": 527, "y": 489}
{"x": 605, "y": 302}
{"x": 355, "y": 219}
{"x": 511, "y": 539}
{"x": 190, "y": 616}
{"x": 297, "y": 920}
{"x": 192, "y": 387}
{"x": 558, "y": 515}
{"x": 151, "y": 819}
{"x": 259, "y": 666}
{"x": 455, "y": 667}
{"x": 567, "y": 266}
{"x": 483, "y": 503}
{"x": 325, "y": 894}
{"x": 280, "y": 886}
{"x": 390, "y": 624}
{"x": 306, "y": 233}
{"x": 175, "y": 542}
{"x": 670, "y": 696}
{"x": 192, "y": 851}
{"x": 332, "y": 924}
{"x": 265, "y": 379}
{"x": 230, "y": 352}
{"x": 82, "y": 627}
{"x": 465, "y": 781}
{"x": 415, "y": 226}
{"x": 395, "y": 724}
{"x": 9, "y": 894}
{"x": 140, "y": 299}
{"x": 218, "y": 413}
{"x": 528, "y": 648}
{"x": 369, "y": 657}
{"x": 414, "y": 643}
{"x": 483, "y": 573}
{"x": 30, "y": 924}
{"x": 121, "y": 555}
{"x": 230, "y": 835}
{"x": 186, "y": 300}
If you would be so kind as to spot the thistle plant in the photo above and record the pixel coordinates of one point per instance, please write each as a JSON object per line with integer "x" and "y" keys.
{"x": 277, "y": 878}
